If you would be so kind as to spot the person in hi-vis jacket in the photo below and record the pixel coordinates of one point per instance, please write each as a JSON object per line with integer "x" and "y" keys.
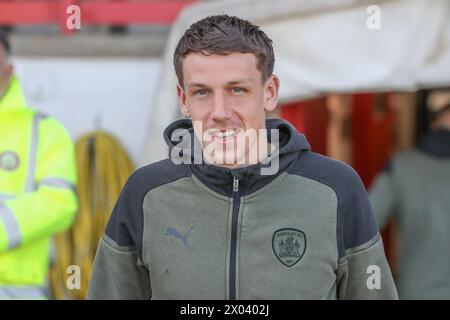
{"x": 37, "y": 194}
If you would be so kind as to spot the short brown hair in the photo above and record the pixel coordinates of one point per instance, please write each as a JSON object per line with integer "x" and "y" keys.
{"x": 224, "y": 34}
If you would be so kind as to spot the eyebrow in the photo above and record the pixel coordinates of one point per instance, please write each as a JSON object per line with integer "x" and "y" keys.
{"x": 234, "y": 82}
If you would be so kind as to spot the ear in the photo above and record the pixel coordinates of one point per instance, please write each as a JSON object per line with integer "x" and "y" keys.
{"x": 271, "y": 88}
{"x": 184, "y": 108}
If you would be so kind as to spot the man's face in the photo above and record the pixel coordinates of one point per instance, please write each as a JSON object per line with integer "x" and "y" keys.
{"x": 5, "y": 71}
{"x": 442, "y": 121}
{"x": 225, "y": 94}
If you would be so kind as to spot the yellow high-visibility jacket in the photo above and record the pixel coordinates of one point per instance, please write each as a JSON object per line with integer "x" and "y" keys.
{"x": 37, "y": 194}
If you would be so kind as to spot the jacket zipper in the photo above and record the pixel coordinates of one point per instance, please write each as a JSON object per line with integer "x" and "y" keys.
{"x": 234, "y": 226}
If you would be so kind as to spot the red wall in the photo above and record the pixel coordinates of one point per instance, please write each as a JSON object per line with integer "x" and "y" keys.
{"x": 372, "y": 129}
{"x": 310, "y": 118}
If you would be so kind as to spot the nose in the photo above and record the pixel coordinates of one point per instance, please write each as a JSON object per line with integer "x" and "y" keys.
{"x": 220, "y": 109}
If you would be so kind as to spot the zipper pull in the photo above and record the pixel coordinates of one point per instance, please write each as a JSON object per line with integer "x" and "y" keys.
{"x": 235, "y": 184}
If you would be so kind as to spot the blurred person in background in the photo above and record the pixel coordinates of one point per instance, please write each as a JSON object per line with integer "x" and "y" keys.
{"x": 414, "y": 189}
{"x": 37, "y": 196}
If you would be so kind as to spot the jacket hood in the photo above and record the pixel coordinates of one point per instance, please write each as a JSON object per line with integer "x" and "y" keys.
{"x": 182, "y": 142}
{"x": 13, "y": 98}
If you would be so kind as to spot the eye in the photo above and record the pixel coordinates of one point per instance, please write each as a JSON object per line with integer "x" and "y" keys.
{"x": 200, "y": 92}
{"x": 237, "y": 90}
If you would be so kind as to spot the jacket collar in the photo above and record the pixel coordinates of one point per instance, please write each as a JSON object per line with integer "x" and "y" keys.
{"x": 13, "y": 98}
{"x": 220, "y": 179}
{"x": 436, "y": 143}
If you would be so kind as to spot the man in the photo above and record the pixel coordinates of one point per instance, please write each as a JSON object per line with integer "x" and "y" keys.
{"x": 266, "y": 219}
{"x": 37, "y": 177}
{"x": 414, "y": 189}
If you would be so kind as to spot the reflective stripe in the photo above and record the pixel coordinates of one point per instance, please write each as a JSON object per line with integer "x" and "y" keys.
{"x": 4, "y": 197}
{"x": 57, "y": 183}
{"x": 11, "y": 225}
{"x": 28, "y": 292}
{"x": 29, "y": 185}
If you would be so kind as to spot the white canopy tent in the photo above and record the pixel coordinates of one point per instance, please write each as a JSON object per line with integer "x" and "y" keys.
{"x": 326, "y": 46}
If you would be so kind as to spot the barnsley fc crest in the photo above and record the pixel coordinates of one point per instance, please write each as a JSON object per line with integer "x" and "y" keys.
{"x": 289, "y": 245}
{"x": 9, "y": 161}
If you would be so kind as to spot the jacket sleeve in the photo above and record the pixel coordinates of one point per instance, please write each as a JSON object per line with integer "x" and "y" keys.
{"x": 382, "y": 196}
{"x": 50, "y": 207}
{"x": 363, "y": 271}
{"x": 118, "y": 271}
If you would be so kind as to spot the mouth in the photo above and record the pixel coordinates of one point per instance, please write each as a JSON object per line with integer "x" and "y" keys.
{"x": 224, "y": 135}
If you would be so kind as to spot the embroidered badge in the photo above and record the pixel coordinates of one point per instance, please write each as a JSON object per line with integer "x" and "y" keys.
{"x": 9, "y": 161}
{"x": 289, "y": 245}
